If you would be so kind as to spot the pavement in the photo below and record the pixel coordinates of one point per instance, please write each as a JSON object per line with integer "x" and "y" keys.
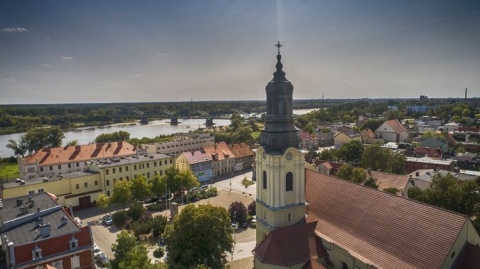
{"x": 230, "y": 189}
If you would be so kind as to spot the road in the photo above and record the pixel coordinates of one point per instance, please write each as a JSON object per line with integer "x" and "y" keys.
{"x": 230, "y": 189}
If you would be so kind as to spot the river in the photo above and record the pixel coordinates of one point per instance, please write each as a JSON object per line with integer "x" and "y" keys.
{"x": 153, "y": 128}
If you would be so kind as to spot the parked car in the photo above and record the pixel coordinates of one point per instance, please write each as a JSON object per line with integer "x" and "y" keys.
{"x": 235, "y": 225}
{"x": 107, "y": 220}
{"x": 96, "y": 250}
{"x": 204, "y": 187}
{"x": 102, "y": 259}
{"x": 244, "y": 224}
{"x": 254, "y": 221}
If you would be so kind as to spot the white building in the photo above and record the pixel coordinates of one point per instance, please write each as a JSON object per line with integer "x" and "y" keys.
{"x": 182, "y": 142}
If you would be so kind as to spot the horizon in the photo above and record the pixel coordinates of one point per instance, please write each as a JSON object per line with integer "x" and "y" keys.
{"x": 159, "y": 51}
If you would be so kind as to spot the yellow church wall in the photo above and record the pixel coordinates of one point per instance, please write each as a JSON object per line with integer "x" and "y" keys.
{"x": 258, "y": 264}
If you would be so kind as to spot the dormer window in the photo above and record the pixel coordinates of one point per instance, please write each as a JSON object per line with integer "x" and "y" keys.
{"x": 36, "y": 253}
{"x": 73, "y": 243}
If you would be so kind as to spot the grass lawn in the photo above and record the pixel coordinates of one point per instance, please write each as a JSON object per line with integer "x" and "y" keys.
{"x": 9, "y": 170}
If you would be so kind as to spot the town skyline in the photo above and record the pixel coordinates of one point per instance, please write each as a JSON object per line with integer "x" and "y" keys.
{"x": 156, "y": 51}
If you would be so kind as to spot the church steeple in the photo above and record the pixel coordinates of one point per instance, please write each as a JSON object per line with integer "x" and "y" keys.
{"x": 280, "y": 132}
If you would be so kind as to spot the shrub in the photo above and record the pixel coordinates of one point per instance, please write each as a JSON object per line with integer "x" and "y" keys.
{"x": 158, "y": 253}
{"x": 212, "y": 192}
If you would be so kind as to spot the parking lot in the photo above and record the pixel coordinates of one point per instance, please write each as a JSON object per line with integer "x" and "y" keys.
{"x": 229, "y": 190}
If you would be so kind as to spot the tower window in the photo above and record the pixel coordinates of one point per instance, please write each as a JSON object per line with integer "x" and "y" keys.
{"x": 264, "y": 180}
{"x": 289, "y": 182}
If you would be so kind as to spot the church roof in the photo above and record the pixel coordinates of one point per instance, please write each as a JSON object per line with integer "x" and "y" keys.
{"x": 383, "y": 230}
{"x": 290, "y": 245}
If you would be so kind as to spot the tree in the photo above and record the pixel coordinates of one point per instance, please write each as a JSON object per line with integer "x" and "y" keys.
{"x": 128, "y": 253}
{"x": 19, "y": 148}
{"x": 103, "y": 201}
{"x": 111, "y": 137}
{"x": 351, "y": 152}
{"x": 375, "y": 157}
{"x": 350, "y": 173}
{"x": 158, "y": 225}
{"x": 122, "y": 193}
{"x": 72, "y": 143}
{"x": 236, "y": 121}
{"x": 252, "y": 208}
{"x": 328, "y": 155}
{"x": 140, "y": 188}
{"x": 137, "y": 257}
{"x": 396, "y": 164}
{"x": 237, "y": 211}
{"x": 199, "y": 235}
{"x": 158, "y": 185}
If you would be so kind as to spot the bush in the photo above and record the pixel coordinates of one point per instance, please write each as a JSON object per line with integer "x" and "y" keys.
{"x": 139, "y": 228}
{"x": 136, "y": 211}
{"x": 119, "y": 218}
{"x": 158, "y": 253}
{"x": 212, "y": 192}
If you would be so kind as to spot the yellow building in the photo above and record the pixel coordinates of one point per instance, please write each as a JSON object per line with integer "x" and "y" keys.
{"x": 80, "y": 189}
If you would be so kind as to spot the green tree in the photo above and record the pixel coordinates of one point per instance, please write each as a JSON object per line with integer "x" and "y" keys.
{"x": 237, "y": 211}
{"x": 375, "y": 157}
{"x": 158, "y": 185}
{"x": 122, "y": 193}
{"x": 103, "y": 201}
{"x": 112, "y": 137}
{"x": 351, "y": 152}
{"x": 236, "y": 121}
{"x": 140, "y": 188}
{"x": 125, "y": 243}
{"x": 350, "y": 173}
{"x": 396, "y": 164}
{"x": 72, "y": 143}
{"x": 19, "y": 148}
{"x": 199, "y": 235}
{"x": 137, "y": 257}
{"x": 328, "y": 155}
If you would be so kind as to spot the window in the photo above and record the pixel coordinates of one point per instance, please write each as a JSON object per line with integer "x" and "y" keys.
{"x": 31, "y": 169}
{"x": 108, "y": 193}
{"x": 113, "y": 170}
{"x": 96, "y": 182}
{"x": 165, "y": 162}
{"x": 75, "y": 261}
{"x": 126, "y": 168}
{"x": 134, "y": 167}
{"x": 50, "y": 168}
{"x": 148, "y": 165}
{"x": 59, "y": 166}
{"x": 58, "y": 264}
{"x": 31, "y": 192}
{"x": 85, "y": 184}
{"x": 77, "y": 164}
{"x": 40, "y": 190}
{"x": 264, "y": 180}
{"x": 344, "y": 265}
{"x": 119, "y": 169}
{"x": 171, "y": 161}
{"x": 77, "y": 186}
{"x": 73, "y": 243}
{"x": 155, "y": 164}
{"x": 148, "y": 175}
{"x": 36, "y": 253}
{"x": 69, "y": 165}
{"x": 128, "y": 178}
{"x": 289, "y": 182}
{"x": 106, "y": 172}
{"x": 108, "y": 182}
{"x": 41, "y": 169}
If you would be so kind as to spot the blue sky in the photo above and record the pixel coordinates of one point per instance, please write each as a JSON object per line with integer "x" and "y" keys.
{"x": 142, "y": 51}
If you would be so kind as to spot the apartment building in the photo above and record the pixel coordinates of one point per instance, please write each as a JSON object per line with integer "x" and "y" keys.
{"x": 182, "y": 142}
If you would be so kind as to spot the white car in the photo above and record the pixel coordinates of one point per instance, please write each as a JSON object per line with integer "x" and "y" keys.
{"x": 235, "y": 225}
{"x": 254, "y": 221}
{"x": 96, "y": 250}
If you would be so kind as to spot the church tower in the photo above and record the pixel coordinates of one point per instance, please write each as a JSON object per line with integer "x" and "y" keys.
{"x": 280, "y": 166}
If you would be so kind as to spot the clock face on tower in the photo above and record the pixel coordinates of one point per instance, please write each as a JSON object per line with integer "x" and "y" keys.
{"x": 289, "y": 156}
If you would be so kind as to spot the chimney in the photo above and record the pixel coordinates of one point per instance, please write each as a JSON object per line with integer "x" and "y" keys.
{"x": 11, "y": 253}
{"x": 71, "y": 209}
{"x": 45, "y": 229}
{"x": 64, "y": 220}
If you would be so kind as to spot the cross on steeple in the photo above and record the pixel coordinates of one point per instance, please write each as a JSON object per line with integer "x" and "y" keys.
{"x": 278, "y": 45}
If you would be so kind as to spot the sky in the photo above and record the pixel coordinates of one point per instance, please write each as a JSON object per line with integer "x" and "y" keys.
{"x": 158, "y": 51}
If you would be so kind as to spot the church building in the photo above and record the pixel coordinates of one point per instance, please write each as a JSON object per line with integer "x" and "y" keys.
{"x": 309, "y": 220}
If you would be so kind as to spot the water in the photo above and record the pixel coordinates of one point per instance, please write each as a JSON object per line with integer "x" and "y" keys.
{"x": 154, "y": 128}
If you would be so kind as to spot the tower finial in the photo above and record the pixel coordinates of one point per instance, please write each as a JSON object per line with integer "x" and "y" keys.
{"x": 278, "y": 45}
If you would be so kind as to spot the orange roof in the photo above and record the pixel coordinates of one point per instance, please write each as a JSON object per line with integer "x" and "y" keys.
{"x": 396, "y": 126}
{"x": 388, "y": 180}
{"x": 221, "y": 149}
{"x": 383, "y": 230}
{"x": 241, "y": 150}
{"x": 49, "y": 156}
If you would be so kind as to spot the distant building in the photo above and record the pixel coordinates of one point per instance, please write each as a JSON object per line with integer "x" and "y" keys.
{"x": 413, "y": 164}
{"x": 223, "y": 160}
{"x": 50, "y": 162}
{"x": 200, "y": 164}
{"x": 345, "y": 136}
{"x": 244, "y": 156}
{"x": 182, "y": 142}
{"x": 36, "y": 232}
{"x": 434, "y": 153}
{"x": 309, "y": 141}
{"x": 325, "y": 139}
{"x": 392, "y": 131}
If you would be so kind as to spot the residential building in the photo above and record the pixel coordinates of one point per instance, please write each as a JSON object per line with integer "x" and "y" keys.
{"x": 389, "y": 181}
{"x": 434, "y": 153}
{"x": 309, "y": 141}
{"x": 36, "y": 232}
{"x": 392, "y": 131}
{"x": 200, "y": 164}
{"x": 244, "y": 156}
{"x": 223, "y": 160}
{"x": 81, "y": 189}
{"x": 345, "y": 136}
{"x": 435, "y": 142}
{"x": 325, "y": 139}
{"x": 414, "y": 164}
{"x": 368, "y": 137}
{"x": 182, "y": 142}
{"x": 50, "y": 162}
{"x": 451, "y": 127}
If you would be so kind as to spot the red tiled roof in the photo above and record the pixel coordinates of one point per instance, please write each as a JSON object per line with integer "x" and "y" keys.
{"x": 367, "y": 133}
{"x": 49, "y": 156}
{"x": 396, "y": 126}
{"x": 381, "y": 229}
{"x": 222, "y": 151}
{"x": 241, "y": 150}
{"x": 290, "y": 245}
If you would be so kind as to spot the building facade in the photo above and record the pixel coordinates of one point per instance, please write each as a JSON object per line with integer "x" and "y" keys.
{"x": 182, "y": 142}
{"x": 200, "y": 164}
{"x": 244, "y": 156}
{"x": 223, "y": 160}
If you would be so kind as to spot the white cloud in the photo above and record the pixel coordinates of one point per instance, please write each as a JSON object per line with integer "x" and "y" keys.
{"x": 14, "y": 30}
{"x": 68, "y": 58}
{"x": 45, "y": 64}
